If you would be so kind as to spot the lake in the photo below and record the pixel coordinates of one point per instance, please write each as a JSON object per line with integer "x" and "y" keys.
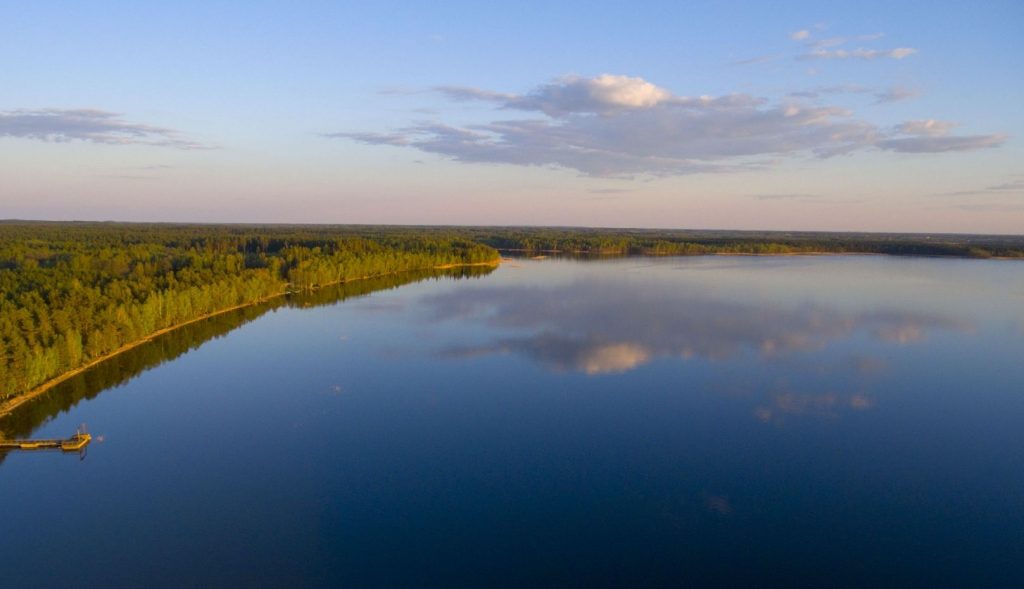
{"x": 743, "y": 421}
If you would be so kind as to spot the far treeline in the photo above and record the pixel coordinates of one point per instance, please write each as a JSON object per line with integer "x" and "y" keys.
{"x": 74, "y": 292}
{"x": 693, "y": 242}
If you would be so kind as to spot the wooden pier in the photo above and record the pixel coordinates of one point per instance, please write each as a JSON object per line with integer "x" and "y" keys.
{"x": 72, "y": 444}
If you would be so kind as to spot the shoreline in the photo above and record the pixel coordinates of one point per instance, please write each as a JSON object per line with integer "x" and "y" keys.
{"x": 10, "y": 405}
{"x": 765, "y": 254}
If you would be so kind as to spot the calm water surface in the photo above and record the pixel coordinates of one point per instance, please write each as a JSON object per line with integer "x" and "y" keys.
{"x": 821, "y": 421}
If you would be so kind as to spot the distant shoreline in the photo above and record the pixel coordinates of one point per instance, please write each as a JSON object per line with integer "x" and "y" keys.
{"x": 544, "y": 252}
{"x": 10, "y": 405}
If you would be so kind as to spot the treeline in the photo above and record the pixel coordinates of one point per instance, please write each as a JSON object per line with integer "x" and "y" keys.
{"x": 682, "y": 242}
{"x": 72, "y": 292}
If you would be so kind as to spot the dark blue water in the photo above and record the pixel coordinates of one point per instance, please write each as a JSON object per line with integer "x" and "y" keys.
{"x": 732, "y": 421}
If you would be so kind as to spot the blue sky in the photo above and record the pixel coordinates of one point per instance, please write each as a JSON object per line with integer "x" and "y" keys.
{"x": 846, "y": 116}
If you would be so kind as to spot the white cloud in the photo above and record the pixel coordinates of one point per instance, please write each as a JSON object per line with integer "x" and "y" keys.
{"x": 574, "y": 94}
{"x": 96, "y": 126}
{"x": 800, "y": 35}
{"x": 865, "y": 54}
{"x": 609, "y": 90}
{"x": 624, "y": 126}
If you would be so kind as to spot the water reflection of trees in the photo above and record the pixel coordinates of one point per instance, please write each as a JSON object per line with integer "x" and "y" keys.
{"x": 126, "y": 366}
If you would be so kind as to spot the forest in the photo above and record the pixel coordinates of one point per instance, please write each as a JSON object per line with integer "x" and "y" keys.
{"x": 74, "y": 292}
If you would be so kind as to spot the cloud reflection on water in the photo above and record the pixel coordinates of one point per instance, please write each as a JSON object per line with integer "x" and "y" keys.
{"x": 806, "y": 404}
{"x": 611, "y": 327}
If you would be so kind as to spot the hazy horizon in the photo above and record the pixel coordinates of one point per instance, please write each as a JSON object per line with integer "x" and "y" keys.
{"x": 505, "y": 226}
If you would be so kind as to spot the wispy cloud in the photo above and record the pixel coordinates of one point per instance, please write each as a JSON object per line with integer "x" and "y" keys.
{"x": 896, "y": 94}
{"x": 95, "y": 126}
{"x": 757, "y": 60}
{"x": 927, "y": 144}
{"x": 803, "y": 198}
{"x": 784, "y": 196}
{"x": 837, "y": 89}
{"x": 610, "y": 190}
{"x": 992, "y": 207}
{"x": 626, "y": 126}
{"x": 399, "y": 91}
{"x": 396, "y": 139}
{"x": 1010, "y": 188}
{"x": 932, "y": 136}
{"x": 826, "y": 48}
{"x": 144, "y": 172}
{"x": 1013, "y": 185}
{"x": 929, "y": 127}
{"x": 134, "y": 177}
{"x": 838, "y": 41}
{"x": 865, "y": 54}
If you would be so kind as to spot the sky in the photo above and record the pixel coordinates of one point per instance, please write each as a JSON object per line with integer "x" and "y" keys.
{"x": 845, "y": 116}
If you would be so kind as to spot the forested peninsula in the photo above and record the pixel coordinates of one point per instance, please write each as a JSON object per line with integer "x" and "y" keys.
{"x": 74, "y": 293}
